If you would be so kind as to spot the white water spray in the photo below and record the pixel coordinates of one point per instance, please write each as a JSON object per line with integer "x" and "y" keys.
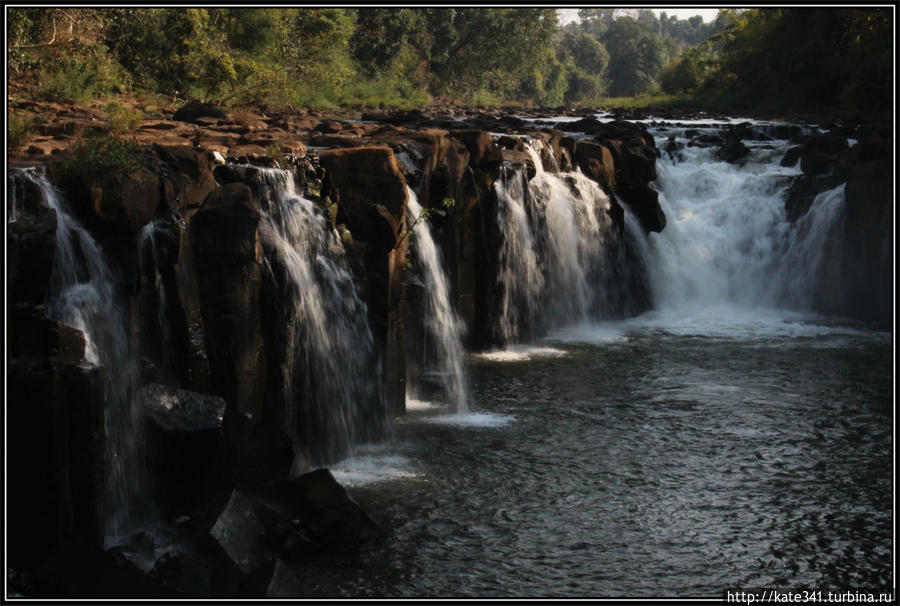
{"x": 82, "y": 294}
{"x": 332, "y": 394}
{"x": 441, "y": 320}
{"x": 554, "y": 260}
{"x": 728, "y": 242}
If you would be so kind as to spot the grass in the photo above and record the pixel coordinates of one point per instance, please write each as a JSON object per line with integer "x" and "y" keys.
{"x": 642, "y": 101}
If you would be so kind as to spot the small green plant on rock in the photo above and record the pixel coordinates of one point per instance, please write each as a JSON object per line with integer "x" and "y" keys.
{"x": 426, "y": 215}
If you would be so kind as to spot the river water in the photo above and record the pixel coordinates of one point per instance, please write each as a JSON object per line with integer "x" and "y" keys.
{"x": 729, "y": 438}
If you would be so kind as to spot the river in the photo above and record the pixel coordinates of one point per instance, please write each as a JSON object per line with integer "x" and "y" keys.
{"x": 729, "y": 438}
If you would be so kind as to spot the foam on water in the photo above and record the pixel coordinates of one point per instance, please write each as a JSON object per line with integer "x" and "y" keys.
{"x": 520, "y": 353}
{"x": 371, "y": 467}
{"x": 473, "y": 419}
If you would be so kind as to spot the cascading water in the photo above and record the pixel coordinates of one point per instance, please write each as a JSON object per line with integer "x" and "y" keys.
{"x": 441, "y": 320}
{"x": 728, "y": 242}
{"x": 82, "y": 294}
{"x": 332, "y": 397}
{"x": 150, "y": 234}
{"x": 557, "y": 259}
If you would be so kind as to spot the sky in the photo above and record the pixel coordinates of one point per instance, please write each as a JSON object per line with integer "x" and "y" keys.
{"x": 708, "y": 14}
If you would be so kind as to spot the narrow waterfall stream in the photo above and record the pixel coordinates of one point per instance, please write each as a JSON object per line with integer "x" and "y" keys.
{"x": 556, "y": 255}
{"x": 83, "y": 295}
{"x": 332, "y": 398}
{"x": 443, "y": 325}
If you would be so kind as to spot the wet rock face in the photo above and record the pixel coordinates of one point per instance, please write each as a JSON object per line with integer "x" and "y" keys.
{"x": 182, "y": 410}
{"x": 369, "y": 188}
{"x": 325, "y": 511}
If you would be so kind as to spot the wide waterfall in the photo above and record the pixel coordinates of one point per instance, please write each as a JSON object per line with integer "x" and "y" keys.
{"x": 332, "y": 397}
{"x": 728, "y": 242}
{"x": 443, "y": 326}
{"x": 83, "y": 295}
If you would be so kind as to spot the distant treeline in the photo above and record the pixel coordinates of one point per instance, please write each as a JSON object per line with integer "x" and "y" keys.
{"x": 408, "y": 56}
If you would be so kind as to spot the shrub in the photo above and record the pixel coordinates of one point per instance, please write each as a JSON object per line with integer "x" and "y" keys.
{"x": 78, "y": 78}
{"x": 121, "y": 119}
{"x": 19, "y": 132}
{"x": 104, "y": 160}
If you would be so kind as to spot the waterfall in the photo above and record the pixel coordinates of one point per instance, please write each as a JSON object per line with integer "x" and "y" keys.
{"x": 557, "y": 256}
{"x": 442, "y": 323}
{"x": 152, "y": 260}
{"x": 520, "y": 278}
{"x": 332, "y": 396}
{"x": 82, "y": 294}
{"x": 728, "y": 241}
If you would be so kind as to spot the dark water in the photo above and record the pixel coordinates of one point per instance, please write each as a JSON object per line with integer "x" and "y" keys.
{"x": 640, "y": 460}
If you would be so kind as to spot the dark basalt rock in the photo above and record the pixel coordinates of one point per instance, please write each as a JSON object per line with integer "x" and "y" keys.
{"x": 733, "y": 150}
{"x": 240, "y": 534}
{"x": 792, "y": 156}
{"x": 227, "y": 259}
{"x": 194, "y": 110}
{"x": 644, "y": 202}
{"x": 325, "y": 511}
{"x": 182, "y": 410}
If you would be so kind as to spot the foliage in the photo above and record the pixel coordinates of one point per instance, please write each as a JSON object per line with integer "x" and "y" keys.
{"x": 121, "y": 119}
{"x": 20, "y": 129}
{"x": 810, "y": 58}
{"x": 426, "y": 215}
{"x": 104, "y": 160}
{"x": 328, "y": 57}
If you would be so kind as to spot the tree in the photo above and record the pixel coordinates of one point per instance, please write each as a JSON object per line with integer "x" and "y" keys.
{"x": 379, "y": 37}
{"x": 462, "y": 46}
{"x": 635, "y": 57}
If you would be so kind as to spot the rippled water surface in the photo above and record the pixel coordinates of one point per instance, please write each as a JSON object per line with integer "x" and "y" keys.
{"x": 636, "y": 459}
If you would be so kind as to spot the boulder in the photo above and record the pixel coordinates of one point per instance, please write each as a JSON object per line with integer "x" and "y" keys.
{"x": 284, "y": 583}
{"x": 369, "y": 187}
{"x": 821, "y": 154}
{"x": 733, "y": 150}
{"x": 194, "y": 111}
{"x": 78, "y": 569}
{"x": 240, "y": 534}
{"x": 644, "y": 202}
{"x": 184, "y": 574}
{"x": 129, "y": 204}
{"x": 596, "y": 161}
{"x": 182, "y": 410}
{"x": 188, "y": 177}
{"x": 792, "y": 156}
{"x": 705, "y": 141}
{"x": 184, "y": 442}
{"x": 327, "y": 514}
{"x": 483, "y": 153}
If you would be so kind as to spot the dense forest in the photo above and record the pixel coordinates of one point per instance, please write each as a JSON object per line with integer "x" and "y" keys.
{"x": 333, "y": 57}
